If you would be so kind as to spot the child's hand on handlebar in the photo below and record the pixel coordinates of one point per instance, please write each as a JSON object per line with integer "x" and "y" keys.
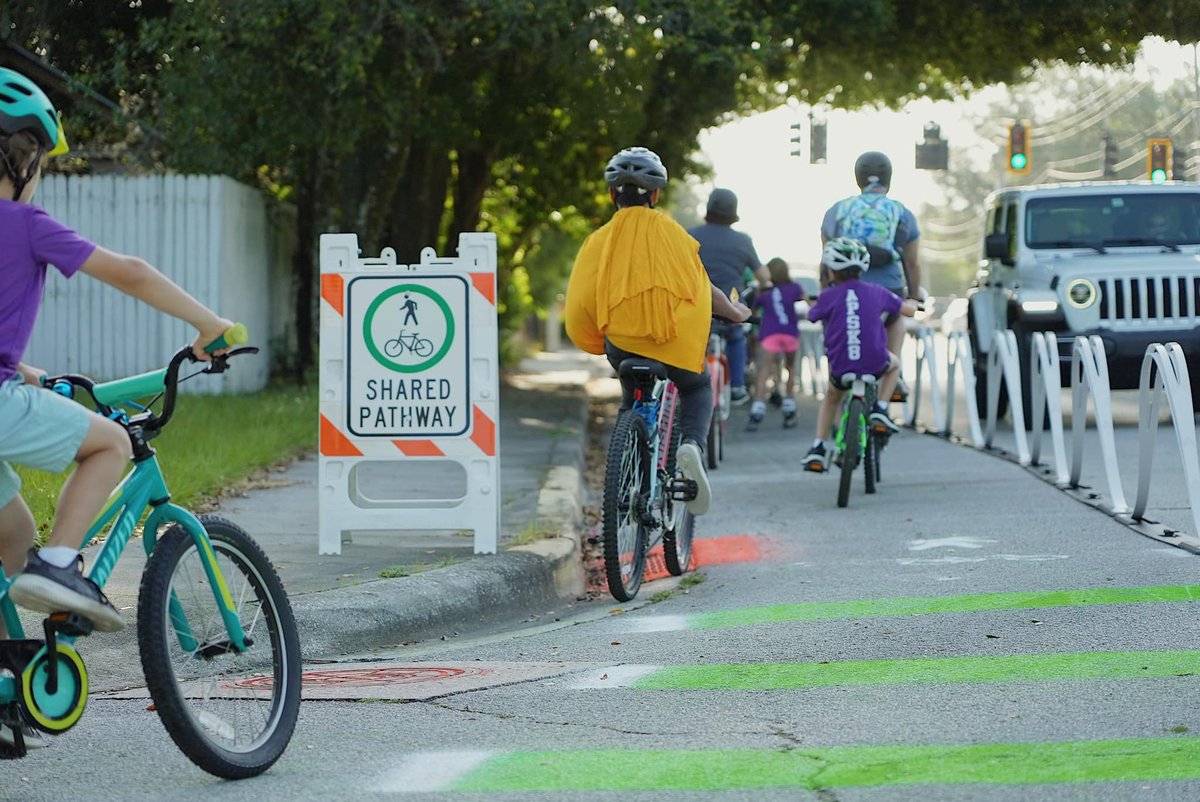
{"x": 208, "y": 334}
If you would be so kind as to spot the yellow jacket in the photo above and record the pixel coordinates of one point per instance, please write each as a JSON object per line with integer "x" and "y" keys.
{"x": 638, "y": 281}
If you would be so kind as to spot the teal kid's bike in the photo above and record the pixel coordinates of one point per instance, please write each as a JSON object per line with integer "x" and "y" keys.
{"x": 216, "y": 634}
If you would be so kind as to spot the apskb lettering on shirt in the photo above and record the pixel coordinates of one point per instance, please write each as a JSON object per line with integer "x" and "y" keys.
{"x": 853, "y": 327}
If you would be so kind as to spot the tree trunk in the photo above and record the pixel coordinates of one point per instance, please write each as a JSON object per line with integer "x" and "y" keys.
{"x": 303, "y": 273}
{"x": 415, "y": 215}
{"x": 474, "y": 177}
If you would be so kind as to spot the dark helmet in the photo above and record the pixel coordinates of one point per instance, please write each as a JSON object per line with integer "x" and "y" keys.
{"x": 722, "y": 207}
{"x": 873, "y": 167}
{"x": 638, "y": 166}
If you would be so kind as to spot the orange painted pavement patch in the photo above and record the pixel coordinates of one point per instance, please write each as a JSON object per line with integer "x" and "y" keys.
{"x": 706, "y": 551}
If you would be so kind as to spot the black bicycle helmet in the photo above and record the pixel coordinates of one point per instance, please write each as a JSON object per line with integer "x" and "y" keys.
{"x": 873, "y": 167}
{"x": 638, "y": 166}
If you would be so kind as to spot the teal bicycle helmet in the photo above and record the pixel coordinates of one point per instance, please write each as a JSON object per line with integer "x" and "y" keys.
{"x": 25, "y": 107}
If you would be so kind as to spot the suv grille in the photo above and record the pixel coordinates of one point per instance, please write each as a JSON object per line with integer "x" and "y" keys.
{"x": 1162, "y": 299}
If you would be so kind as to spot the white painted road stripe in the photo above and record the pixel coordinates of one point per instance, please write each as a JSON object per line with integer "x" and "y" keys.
{"x": 612, "y": 677}
{"x": 655, "y": 623}
{"x": 430, "y": 771}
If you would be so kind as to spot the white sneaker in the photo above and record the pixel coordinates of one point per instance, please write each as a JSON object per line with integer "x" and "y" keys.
{"x": 691, "y": 465}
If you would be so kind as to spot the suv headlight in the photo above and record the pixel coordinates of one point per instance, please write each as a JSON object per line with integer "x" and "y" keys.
{"x": 1081, "y": 293}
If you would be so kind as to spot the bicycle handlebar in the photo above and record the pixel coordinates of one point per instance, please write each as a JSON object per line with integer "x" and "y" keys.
{"x": 108, "y": 396}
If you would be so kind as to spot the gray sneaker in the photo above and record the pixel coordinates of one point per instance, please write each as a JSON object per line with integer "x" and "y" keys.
{"x": 691, "y": 464}
{"x": 46, "y": 588}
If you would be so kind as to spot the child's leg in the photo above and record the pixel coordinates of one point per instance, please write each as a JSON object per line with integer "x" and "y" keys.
{"x": 17, "y": 529}
{"x": 102, "y": 460}
{"x": 764, "y": 359}
{"x": 789, "y": 364}
{"x": 887, "y": 382}
{"x": 829, "y": 406}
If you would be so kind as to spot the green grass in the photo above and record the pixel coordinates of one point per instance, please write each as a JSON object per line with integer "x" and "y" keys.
{"x": 212, "y": 445}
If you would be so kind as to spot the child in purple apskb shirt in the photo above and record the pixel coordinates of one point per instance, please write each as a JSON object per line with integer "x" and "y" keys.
{"x": 39, "y": 428}
{"x": 854, "y": 315}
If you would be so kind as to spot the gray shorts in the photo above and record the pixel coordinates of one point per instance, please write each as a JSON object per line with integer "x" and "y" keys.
{"x": 38, "y": 429}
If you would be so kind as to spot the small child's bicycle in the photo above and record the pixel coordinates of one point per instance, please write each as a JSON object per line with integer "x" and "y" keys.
{"x": 216, "y": 634}
{"x": 855, "y": 440}
{"x": 644, "y": 494}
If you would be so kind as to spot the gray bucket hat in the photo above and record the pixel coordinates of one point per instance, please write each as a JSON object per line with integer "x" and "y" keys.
{"x": 722, "y": 206}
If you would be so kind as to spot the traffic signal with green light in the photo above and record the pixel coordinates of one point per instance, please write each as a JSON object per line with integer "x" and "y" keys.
{"x": 1158, "y": 159}
{"x": 1018, "y": 148}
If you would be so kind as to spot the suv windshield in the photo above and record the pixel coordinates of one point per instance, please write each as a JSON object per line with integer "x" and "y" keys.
{"x": 1098, "y": 221}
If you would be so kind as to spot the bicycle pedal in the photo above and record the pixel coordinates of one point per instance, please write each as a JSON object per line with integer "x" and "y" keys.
{"x": 684, "y": 490}
{"x": 72, "y": 624}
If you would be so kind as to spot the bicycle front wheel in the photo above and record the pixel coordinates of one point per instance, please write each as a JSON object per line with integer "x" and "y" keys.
{"x": 626, "y": 493}
{"x": 231, "y": 713}
{"x": 852, "y": 443}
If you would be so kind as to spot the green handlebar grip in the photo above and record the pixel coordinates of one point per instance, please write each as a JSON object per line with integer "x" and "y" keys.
{"x": 140, "y": 386}
{"x": 234, "y": 335}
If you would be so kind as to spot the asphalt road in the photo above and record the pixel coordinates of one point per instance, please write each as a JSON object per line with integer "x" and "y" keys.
{"x": 967, "y": 633}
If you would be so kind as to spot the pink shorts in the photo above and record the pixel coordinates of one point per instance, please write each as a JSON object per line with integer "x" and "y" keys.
{"x": 781, "y": 343}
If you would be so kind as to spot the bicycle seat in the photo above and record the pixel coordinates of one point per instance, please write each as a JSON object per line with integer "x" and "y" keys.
{"x": 849, "y": 378}
{"x": 637, "y": 367}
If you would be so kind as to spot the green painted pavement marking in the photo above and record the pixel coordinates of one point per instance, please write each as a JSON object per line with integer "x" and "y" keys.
{"x": 991, "y": 668}
{"x": 821, "y": 611}
{"x": 838, "y": 767}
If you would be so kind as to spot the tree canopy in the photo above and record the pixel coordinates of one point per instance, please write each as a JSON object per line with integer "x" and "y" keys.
{"x": 409, "y": 121}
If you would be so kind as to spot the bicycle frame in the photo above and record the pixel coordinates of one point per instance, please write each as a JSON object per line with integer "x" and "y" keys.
{"x": 142, "y": 487}
{"x": 866, "y": 392}
{"x": 659, "y": 413}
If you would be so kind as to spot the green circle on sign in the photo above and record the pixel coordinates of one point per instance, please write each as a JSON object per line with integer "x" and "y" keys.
{"x": 383, "y": 359}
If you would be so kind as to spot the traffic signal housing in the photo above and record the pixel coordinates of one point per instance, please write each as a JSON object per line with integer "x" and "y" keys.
{"x": 1018, "y": 148}
{"x": 797, "y": 127}
{"x": 934, "y": 152}
{"x": 816, "y": 153}
{"x": 1158, "y": 159}
{"x": 1178, "y": 164}
{"x": 1110, "y": 155}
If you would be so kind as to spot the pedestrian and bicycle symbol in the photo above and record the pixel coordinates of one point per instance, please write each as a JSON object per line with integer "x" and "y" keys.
{"x": 408, "y": 372}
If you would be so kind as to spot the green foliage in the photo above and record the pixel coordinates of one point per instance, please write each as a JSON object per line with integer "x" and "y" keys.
{"x": 410, "y": 121}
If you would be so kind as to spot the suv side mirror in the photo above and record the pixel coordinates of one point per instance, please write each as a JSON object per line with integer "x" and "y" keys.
{"x": 995, "y": 246}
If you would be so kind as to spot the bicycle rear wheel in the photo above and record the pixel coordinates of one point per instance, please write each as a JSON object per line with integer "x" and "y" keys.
{"x": 231, "y": 713}
{"x": 852, "y": 443}
{"x": 626, "y": 488}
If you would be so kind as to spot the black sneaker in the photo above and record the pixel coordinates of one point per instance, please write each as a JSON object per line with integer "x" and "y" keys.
{"x": 739, "y": 396}
{"x": 45, "y": 588}
{"x": 883, "y": 424}
{"x": 817, "y": 459}
{"x": 752, "y": 422}
{"x": 33, "y": 739}
{"x": 789, "y": 419}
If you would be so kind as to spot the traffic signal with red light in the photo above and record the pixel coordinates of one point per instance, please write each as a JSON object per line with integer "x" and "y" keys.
{"x": 1158, "y": 159}
{"x": 1018, "y": 148}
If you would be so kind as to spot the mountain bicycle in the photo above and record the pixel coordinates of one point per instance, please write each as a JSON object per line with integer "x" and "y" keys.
{"x": 718, "y": 371}
{"x": 855, "y": 439}
{"x": 216, "y": 635}
{"x": 644, "y": 495}
{"x": 417, "y": 345}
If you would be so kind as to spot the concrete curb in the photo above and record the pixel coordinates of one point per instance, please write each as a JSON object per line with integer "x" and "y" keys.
{"x": 468, "y": 597}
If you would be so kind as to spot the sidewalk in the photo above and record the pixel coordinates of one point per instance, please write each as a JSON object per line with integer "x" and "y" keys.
{"x": 389, "y": 588}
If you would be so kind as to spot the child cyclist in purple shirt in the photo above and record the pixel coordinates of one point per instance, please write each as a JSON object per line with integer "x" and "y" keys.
{"x": 854, "y": 315}
{"x": 778, "y": 339}
{"x": 39, "y": 428}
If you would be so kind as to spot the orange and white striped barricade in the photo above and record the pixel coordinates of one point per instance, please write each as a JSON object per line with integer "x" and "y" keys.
{"x": 409, "y": 392}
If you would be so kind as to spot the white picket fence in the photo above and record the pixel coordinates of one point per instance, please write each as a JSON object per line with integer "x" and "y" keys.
{"x": 220, "y": 240}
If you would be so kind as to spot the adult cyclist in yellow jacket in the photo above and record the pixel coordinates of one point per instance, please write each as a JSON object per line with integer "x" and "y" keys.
{"x": 638, "y": 288}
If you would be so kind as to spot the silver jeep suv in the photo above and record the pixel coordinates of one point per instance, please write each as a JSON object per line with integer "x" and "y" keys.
{"x": 1118, "y": 259}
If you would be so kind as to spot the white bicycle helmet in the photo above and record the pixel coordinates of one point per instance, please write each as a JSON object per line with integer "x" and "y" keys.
{"x": 637, "y": 166}
{"x": 842, "y": 253}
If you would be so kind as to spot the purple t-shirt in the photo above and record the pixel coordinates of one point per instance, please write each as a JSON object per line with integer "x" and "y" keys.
{"x": 855, "y": 337}
{"x": 30, "y": 239}
{"x": 779, "y": 310}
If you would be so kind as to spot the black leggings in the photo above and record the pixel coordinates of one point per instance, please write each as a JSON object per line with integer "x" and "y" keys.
{"x": 695, "y": 395}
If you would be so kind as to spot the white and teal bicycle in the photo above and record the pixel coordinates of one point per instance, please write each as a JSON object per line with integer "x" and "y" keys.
{"x": 216, "y": 634}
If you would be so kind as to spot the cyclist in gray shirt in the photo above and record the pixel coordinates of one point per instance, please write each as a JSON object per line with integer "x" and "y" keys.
{"x": 727, "y": 255}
